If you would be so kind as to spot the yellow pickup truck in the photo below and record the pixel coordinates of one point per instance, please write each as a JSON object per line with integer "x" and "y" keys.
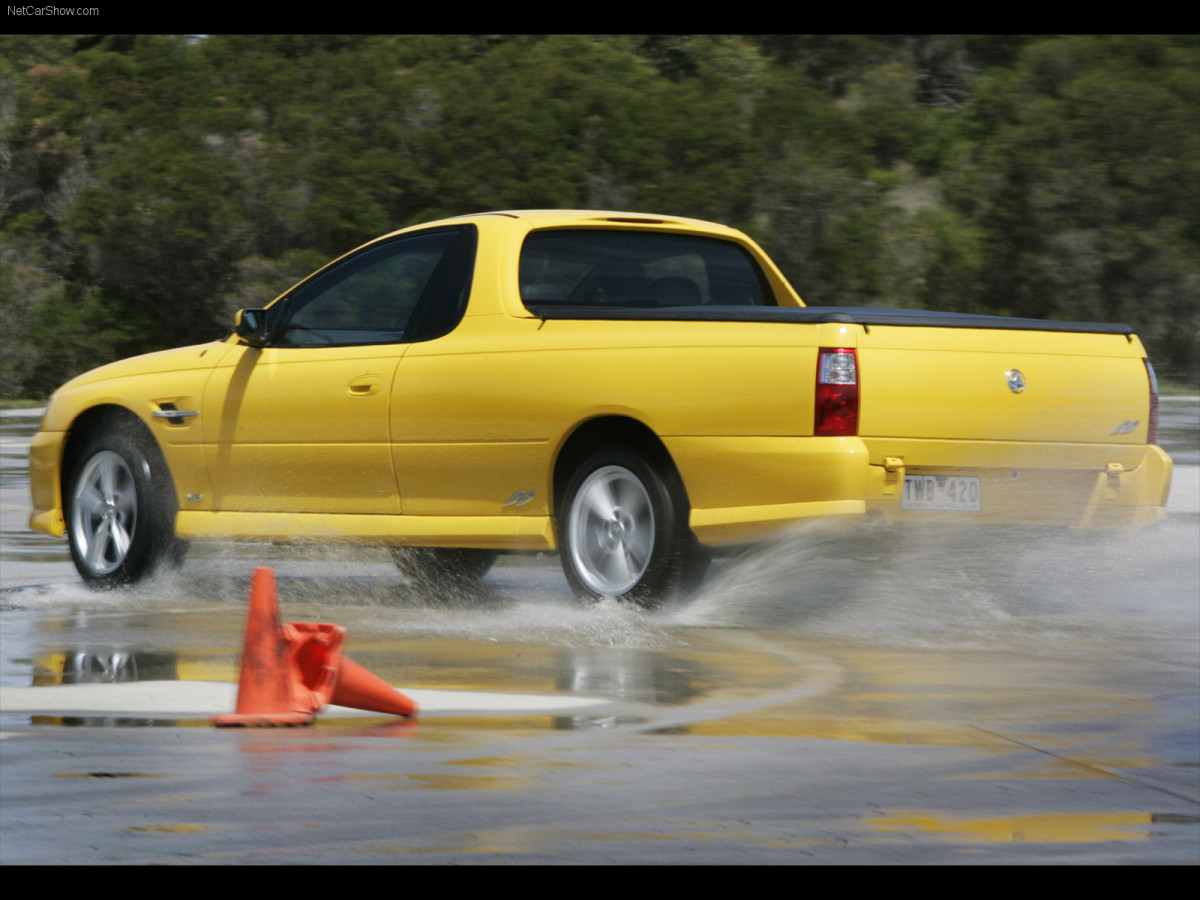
{"x": 630, "y": 390}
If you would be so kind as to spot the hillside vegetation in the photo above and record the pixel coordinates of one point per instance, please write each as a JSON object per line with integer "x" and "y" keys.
{"x": 154, "y": 184}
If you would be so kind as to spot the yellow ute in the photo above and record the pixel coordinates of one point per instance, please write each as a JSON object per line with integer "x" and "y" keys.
{"x": 626, "y": 389}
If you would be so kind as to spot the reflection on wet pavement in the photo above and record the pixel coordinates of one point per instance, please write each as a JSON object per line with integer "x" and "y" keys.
{"x": 1051, "y": 827}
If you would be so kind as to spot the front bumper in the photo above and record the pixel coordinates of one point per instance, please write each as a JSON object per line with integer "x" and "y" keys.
{"x": 45, "y": 482}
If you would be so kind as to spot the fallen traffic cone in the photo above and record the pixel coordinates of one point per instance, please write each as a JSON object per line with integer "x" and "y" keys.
{"x": 315, "y": 660}
{"x": 360, "y": 689}
{"x": 291, "y": 672}
{"x": 269, "y": 690}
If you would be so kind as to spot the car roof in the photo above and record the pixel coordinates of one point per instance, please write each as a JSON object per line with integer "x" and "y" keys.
{"x": 561, "y": 218}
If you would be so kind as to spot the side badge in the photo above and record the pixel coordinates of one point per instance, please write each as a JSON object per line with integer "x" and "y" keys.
{"x": 519, "y": 498}
{"x": 1016, "y": 381}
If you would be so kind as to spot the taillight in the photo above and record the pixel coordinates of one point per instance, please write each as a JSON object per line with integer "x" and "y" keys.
{"x": 1152, "y": 425}
{"x": 837, "y": 393}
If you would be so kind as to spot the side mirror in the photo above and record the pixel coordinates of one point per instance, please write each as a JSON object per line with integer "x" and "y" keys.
{"x": 250, "y": 325}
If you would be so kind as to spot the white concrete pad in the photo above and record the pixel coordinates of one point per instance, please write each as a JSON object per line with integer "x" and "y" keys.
{"x": 201, "y": 699}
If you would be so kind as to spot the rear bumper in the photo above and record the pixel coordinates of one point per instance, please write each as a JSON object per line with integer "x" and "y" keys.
{"x": 742, "y": 488}
{"x": 1085, "y": 486}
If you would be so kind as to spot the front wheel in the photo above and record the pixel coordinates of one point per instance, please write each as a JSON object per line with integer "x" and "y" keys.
{"x": 120, "y": 512}
{"x": 623, "y": 531}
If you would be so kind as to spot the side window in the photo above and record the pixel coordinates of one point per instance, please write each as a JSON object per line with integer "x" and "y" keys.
{"x": 582, "y": 267}
{"x": 383, "y": 294}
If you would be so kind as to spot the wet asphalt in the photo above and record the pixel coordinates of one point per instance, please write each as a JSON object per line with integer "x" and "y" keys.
{"x": 839, "y": 697}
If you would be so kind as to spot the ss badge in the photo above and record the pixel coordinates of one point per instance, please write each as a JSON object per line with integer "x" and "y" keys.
{"x": 519, "y": 498}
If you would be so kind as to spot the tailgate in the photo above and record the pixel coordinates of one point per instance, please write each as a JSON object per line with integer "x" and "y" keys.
{"x": 994, "y": 385}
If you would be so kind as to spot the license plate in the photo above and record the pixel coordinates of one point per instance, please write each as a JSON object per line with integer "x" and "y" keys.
{"x": 952, "y": 492}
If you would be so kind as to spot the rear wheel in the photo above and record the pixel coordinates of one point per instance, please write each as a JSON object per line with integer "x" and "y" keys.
{"x": 443, "y": 567}
{"x": 623, "y": 530}
{"x": 120, "y": 511}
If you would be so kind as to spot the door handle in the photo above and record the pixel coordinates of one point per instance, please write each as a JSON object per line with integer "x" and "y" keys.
{"x": 364, "y": 385}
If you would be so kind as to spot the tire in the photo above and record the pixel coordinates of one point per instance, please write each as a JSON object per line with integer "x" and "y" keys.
{"x": 623, "y": 533}
{"x": 439, "y": 568}
{"x": 120, "y": 511}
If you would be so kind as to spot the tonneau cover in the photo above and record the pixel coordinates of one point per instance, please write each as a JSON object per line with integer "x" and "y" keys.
{"x": 815, "y": 315}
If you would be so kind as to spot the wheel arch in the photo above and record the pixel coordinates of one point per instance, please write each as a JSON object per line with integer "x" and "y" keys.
{"x": 615, "y": 431}
{"x": 109, "y": 416}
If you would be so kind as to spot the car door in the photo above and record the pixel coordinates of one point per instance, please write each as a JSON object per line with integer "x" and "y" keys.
{"x": 301, "y": 424}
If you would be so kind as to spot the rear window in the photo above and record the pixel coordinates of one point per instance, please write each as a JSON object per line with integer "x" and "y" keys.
{"x": 645, "y": 269}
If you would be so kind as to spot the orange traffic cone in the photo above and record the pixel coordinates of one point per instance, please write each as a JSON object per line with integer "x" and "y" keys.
{"x": 268, "y": 692}
{"x": 360, "y": 689}
{"x": 291, "y": 672}
{"x": 315, "y": 659}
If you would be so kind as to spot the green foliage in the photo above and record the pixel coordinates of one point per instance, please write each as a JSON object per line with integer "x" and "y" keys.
{"x": 153, "y": 184}
{"x": 84, "y": 328}
{"x": 159, "y": 226}
{"x": 25, "y": 284}
{"x": 1085, "y": 178}
{"x": 941, "y": 255}
{"x": 55, "y": 329}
